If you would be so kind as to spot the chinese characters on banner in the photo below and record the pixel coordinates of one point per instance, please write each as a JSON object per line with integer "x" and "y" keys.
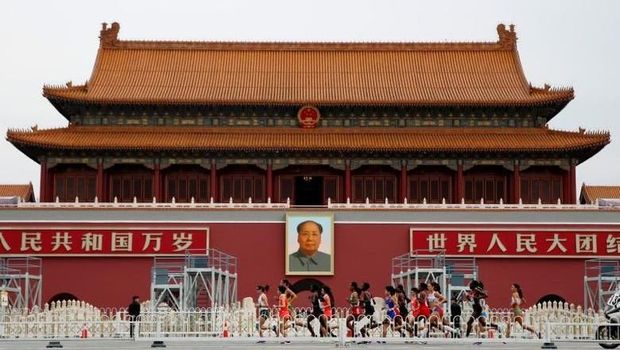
{"x": 505, "y": 242}
{"x": 102, "y": 241}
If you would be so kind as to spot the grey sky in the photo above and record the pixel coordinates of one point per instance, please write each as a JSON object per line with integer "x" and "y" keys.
{"x": 564, "y": 43}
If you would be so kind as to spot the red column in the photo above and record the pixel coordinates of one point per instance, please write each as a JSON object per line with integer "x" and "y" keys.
{"x": 100, "y": 181}
{"x": 573, "y": 184}
{"x": 157, "y": 190}
{"x": 403, "y": 182}
{"x": 347, "y": 180}
{"x": 44, "y": 180}
{"x": 459, "y": 183}
{"x": 269, "y": 180}
{"x": 566, "y": 183}
{"x": 213, "y": 179}
{"x": 516, "y": 184}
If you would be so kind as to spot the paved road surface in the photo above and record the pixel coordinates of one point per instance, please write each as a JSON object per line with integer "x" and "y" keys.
{"x": 232, "y": 344}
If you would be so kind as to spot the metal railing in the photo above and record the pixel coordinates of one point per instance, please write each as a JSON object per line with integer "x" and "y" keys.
{"x": 548, "y": 322}
{"x": 424, "y": 205}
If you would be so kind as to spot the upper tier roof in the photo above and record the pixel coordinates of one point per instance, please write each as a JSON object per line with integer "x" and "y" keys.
{"x": 159, "y": 72}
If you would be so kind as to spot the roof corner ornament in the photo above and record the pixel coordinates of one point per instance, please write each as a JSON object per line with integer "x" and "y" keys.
{"x": 109, "y": 36}
{"x": 507, "y": 38}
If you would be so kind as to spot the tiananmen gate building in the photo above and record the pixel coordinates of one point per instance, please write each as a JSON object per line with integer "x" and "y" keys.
{"x": 400, "y": 147}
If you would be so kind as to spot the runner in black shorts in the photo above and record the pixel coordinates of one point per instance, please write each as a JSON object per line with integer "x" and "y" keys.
{"x": 476, "y": 293}
{"x": 263, "y": 307}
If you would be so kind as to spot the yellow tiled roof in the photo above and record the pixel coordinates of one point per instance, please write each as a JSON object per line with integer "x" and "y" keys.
{"x": 298, "y": 139}
{"x": 592, "y": 193}
{"x": 21, "y": 190}
{"x": 143, "y": 72}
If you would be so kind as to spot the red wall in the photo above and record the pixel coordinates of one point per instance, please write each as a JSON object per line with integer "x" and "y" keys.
{"x": 363, "y": 253}
{"x": 537, "y": 277}
{"x": 99, "y": 281}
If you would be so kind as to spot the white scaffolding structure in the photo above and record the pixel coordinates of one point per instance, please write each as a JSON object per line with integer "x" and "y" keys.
{"x": 459, "y": 273}
{"x": 21, "y": 281}
{"x": 167, "y": 282}
{"x": 211, "y": 280}
{"x": 601, "y": 280}
{"x": 200, "y": 279}
{"x": 452, "y": 274}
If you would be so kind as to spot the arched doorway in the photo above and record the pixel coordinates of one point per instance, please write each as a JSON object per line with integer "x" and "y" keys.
{"x": 551, "y": 298}
{"x": 62, "y": 297}
{"x": 302, "y": 289}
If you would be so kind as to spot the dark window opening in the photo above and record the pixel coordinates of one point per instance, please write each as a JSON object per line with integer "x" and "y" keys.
{"x": 308, "y": 190}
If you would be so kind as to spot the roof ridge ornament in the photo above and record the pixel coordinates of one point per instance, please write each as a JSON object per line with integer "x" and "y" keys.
{"x": 109, "y": 36}
{"x": 507, "y": 38}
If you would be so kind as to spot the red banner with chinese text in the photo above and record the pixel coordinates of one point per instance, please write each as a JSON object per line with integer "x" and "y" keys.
{"x": 105, "y": 240}
{"x": 519, "y": 241}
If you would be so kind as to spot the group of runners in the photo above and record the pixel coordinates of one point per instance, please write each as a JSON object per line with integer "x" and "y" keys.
{"x": 321, "y": 309}
{"x": 416, "y": 313}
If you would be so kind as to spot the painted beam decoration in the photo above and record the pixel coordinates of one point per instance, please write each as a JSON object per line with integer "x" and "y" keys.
{"x": 516, "y": 240}
{"x": 86, "y": 239}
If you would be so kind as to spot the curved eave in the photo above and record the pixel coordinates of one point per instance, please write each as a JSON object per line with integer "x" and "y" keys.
{"x": 561, "y": 98}
{"x": 28, "y": 142}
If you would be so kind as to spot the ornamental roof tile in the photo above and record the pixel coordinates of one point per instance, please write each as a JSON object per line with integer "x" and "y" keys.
{"x": 589, "y": 193}
{"x": 366, "y": 139}
{"x": 23, "y": 191}
{"x": 156, "y": 72}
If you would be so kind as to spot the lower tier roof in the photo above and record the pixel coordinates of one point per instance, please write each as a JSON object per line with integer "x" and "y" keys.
{"x": 322, "y": 139}
{"x": 590, "y": 193}
{"x": 24, "y": 191}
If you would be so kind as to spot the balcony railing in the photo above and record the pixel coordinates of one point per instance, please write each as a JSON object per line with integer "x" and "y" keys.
{"x": 115, "y": 204}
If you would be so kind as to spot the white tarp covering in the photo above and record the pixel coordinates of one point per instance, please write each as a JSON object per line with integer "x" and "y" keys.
{"x": 9, "y": 200}
{"x": 609, "y": 202}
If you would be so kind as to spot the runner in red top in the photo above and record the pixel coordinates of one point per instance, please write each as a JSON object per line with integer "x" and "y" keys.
{"x": 356, "y": 309}
{"x": 283, "y": 311}
{"x": 326, "y": 304}
{"x": 414, "y": 313}
{"x": 425, "y": 311}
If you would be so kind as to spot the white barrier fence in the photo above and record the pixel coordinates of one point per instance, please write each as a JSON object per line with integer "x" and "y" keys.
{"x": 67, "y": 320}
{"x": 250, "y": 204}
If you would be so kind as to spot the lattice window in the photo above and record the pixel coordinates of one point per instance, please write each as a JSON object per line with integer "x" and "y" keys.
{"x": 70, "y": 183}
{"x": 433, "y": 187}
{"x": 374, "y": 187}
{"x": 126, "y": 186}
{"x": 490, "y": 187}
{"x": 241, "y": 187}
{"x": 547, "y": 187}
{"x": 185, "y": 185}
